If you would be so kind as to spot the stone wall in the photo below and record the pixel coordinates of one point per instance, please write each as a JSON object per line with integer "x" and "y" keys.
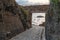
{"x": 53, "y": 21}
{"x": 37, "y": 8}
{"x": 11, "y": 17}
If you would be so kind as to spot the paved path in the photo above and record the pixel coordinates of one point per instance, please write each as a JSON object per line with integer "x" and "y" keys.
{"x": 35, "y": 33}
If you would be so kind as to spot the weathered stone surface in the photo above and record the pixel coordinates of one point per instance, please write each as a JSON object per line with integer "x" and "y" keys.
{"x": 11, "y": 18}
{"x": 35, "y": 33}
{"x": 37, "y": 8}
{"x": 53, "y": 21}
{"x": 25, "y": 18}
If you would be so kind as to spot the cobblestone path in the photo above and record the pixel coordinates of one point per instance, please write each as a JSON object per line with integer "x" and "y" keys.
{"x": 35, "y": 33}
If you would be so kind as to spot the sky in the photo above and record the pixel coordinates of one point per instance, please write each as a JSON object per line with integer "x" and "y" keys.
{"x": 33, "y": 2}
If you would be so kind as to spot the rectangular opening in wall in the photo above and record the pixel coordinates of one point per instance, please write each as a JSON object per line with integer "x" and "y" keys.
{"x": 38, "y": 19}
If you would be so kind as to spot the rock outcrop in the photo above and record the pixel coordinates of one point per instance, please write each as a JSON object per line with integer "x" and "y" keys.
{"x": 25, "y": 17}
{"x": 12, "y": 19}
{"x": 53, "y": 21}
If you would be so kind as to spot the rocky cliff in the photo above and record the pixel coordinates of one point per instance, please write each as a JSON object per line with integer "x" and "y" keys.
{"x": 53, "y": 21}
{"x": 12, "y": 19}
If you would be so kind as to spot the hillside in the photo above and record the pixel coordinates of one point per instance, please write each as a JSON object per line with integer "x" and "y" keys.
{"x": 12, "y": 19}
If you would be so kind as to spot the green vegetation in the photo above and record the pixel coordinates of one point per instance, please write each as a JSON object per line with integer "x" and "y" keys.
{"x": 24, "y": 11}
{"x": 24, "y": 17}
{"x": 55, "y": 1}
{"x": 55, "y": 4}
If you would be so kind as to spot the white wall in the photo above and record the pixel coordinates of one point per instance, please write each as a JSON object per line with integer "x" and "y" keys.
{"x": 39, "y": 20}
